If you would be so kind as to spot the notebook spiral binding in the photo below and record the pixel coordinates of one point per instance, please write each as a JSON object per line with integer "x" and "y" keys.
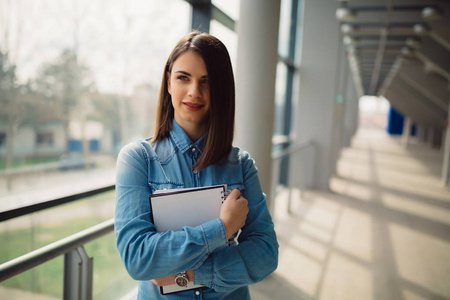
{"x": 225, "y": 194}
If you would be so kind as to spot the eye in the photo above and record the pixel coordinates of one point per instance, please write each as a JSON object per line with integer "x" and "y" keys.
{"x": 205, "y": 81}
{"x": 183, "y": 78}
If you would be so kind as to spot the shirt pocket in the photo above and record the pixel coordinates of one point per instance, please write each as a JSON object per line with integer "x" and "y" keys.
{"x": 155, "y": 186}
{"x": 229, "y": 174}
{"x": 239, "y": 185}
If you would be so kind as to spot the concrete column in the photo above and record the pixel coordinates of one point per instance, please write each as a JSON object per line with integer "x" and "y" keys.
{"x": 317, "y": 89}
{"x": 351, "y": 111}
{"x": 406, "y": 132}
{"x": 430, "y": 136}
{"x": 446, "y": 163}
{"x": 356, "y": 96}
{"x": 340, "y": 106}
{"x": 421, "y": 133}
{"x": 437, "y": 138}
{"x": 257, "y": 58}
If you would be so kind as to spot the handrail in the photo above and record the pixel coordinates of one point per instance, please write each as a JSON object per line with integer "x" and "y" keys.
{"x": 292, "y": 149}
{"x": 277, "y": 159}
{"x": 46, "y": 253}
{"x": 27, "y": 209}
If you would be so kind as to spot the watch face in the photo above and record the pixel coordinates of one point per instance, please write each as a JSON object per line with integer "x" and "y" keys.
{"x": 181, "y": 281}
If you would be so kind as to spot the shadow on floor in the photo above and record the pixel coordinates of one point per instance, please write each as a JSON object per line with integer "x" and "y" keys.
{"x": 276, "y": 287}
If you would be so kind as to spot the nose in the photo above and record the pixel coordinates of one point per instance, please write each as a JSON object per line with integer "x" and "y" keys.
{"x": 195, "y": 90}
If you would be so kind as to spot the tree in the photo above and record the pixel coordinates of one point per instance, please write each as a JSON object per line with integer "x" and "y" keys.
{"x": 17, "y": 107}
{"x": 15, "y": 104}
{"x": 9, "y": 108}
{"x": 64, "y": 83}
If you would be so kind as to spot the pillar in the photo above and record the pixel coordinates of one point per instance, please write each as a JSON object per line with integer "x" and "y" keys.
{"x": 421, "y": 133}
{"x": 257, "y": 56}
{"x": 317, "y": 88}
{"x": 406, "y": 131}
{"x": 351, "y": 111}
{"x": 446, "y": 162}
{"x": 340, "y": 106}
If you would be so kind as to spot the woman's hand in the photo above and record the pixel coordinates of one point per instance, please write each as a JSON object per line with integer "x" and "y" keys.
{"x": 164, "y": 280}
{"x": 171, "y": 279}
{"x": 233, "y": 212}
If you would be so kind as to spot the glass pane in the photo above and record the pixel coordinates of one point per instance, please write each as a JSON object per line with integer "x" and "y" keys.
{"x": 79, "y": 79}
{"x": 285, "y": 23}
{"x": 230, "y": 7}
{"x": 25, "y": 234}
{"x": 280, "y": 98}
{"x": 298, "y": 40}
{"x": 111, "y": 280}
{"x": 42, "y": 282}
{"x": 228, "y": 37}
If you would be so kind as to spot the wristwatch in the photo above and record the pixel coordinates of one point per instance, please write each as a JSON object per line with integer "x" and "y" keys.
{"x": 181, "y": 279}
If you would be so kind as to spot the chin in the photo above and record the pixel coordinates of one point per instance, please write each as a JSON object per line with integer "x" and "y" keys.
{"x": 194, "y": 119}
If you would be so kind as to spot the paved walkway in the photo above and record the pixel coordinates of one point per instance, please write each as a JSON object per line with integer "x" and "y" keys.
{"x": 7, "y": 293}
{"x": 382, "y": 232}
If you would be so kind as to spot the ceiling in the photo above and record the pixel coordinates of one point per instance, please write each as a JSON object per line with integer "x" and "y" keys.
{"x": 401, "y": 50}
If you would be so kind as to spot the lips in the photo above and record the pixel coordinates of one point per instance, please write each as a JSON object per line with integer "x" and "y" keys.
{"x": 193, "y": 106}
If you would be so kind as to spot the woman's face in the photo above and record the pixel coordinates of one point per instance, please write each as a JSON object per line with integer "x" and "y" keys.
{"x": 188, "y": 84}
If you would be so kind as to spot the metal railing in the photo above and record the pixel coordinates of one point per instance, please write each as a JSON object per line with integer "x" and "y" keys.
{"x": 300, "y": 168}
{"x": 35, "y": 207}
{"x": 78, "y": 269}
{"x": 77, "y": 265}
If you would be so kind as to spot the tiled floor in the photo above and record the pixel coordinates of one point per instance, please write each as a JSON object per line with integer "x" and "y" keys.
{"x": 382, "y": 232}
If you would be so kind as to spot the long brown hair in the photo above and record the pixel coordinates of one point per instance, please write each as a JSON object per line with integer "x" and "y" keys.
{"x": 220, "y": 121}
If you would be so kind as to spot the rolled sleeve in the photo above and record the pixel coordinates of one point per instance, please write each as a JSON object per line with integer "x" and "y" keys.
{"x": 256, "y": 255}
{"x": 215, "y": 235}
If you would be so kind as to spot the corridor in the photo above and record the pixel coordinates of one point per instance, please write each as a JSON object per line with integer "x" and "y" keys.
{"x": 382, "y": 232}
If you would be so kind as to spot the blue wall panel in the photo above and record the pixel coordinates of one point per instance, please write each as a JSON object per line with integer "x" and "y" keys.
{"x": 395, "y": 122}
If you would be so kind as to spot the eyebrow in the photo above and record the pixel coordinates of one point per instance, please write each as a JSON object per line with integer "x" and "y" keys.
{"x": 187, "y": 74}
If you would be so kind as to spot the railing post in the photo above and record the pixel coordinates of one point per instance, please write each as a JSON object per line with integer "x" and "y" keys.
{"x": 77, "y": 275}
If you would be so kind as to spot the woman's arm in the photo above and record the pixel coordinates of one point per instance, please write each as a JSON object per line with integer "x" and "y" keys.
{"x": 256, "y": 256}
{"x": 145, "y": 253}
{"x": 233, "y": 214}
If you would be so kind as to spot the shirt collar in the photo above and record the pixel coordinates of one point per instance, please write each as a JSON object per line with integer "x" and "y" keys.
{"x": 182, "y": 140}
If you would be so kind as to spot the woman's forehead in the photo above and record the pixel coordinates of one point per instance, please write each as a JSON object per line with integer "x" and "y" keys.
{"x": 190, "y": 60}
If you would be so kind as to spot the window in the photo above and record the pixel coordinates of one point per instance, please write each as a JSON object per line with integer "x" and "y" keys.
{"x": 2, "y": 139}
{"x": 79, "y": 79}
{"x": 80, "y": 72}
{"x": 286, "y": 70}
{"x": 44, "y": 139}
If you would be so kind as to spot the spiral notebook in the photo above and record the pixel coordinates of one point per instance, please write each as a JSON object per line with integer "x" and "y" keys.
{"x": 174, "y": 209}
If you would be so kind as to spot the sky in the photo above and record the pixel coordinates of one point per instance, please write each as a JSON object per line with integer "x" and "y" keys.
{"x": 124, "y": 42}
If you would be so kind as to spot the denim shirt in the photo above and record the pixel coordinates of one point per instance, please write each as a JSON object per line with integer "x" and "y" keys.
{"x": 226, "y": 272}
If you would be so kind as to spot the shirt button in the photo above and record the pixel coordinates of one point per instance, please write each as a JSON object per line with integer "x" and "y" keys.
{"x": 193, "y": 149}
{"x": 197, "y": 293}
{"x": 195, "y": 171}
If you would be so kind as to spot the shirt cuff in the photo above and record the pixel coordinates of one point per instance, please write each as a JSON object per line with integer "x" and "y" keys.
{"x": 204, "y": 274}
{"x": 214, "y": 233}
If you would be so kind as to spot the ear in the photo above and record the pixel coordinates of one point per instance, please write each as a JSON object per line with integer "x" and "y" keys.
{"x": 169, "y": 86}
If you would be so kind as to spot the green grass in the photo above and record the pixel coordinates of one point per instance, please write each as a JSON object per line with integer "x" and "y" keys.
{"x": 110, "y": 278}
{"x": 25, "y": 162}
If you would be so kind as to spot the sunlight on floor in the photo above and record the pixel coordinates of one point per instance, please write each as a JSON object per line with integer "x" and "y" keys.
{"x": 415, "y": 255}
{"x": 420, "y": 208}
{"x": 300, "y": 270}
{"x": 353, "y": 235}
{"x": 381, "y": 232}
{"x": 346, "y": 279}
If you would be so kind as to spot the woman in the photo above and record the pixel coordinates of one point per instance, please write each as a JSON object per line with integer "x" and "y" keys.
{"x": 192, "y": 147}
